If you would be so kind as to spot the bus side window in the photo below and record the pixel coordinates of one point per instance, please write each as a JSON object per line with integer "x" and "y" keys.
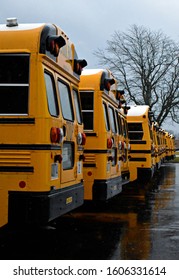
{"x": 120, "y": 126}
{"x": 106, "y": 117}
{"x": 126, "y": 128}
{"x": 117, "y": 121}
{"x": 66, "y": 101}
{"x": 87, "y": 103}
{"x": 51, "y": 95}
{"x": 77, "y": 106}
{"x": 125, "y": 134}
{"x": 14, "y": 84}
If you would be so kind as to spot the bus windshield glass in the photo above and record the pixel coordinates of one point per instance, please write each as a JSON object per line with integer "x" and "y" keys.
{"x": 77, "y": 106}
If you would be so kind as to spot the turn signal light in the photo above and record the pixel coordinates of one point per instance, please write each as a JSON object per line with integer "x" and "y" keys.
{"x": 109, "y": 143}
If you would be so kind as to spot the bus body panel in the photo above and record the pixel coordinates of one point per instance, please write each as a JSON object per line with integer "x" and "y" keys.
{"x": 142, "y": 161}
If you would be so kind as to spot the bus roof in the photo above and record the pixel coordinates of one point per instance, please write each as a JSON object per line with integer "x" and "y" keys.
{"x": 28, "y": 36}
{"x": 19, "y": 27}
{"x": 86, "y": 72}
{"x": 95, "y": 79}
{"x": 137, "y": 110}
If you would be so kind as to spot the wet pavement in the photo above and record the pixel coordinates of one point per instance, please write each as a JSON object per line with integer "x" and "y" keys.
{"x": 141, "y": 223}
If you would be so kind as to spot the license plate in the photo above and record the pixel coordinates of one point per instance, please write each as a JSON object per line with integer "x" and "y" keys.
{"x": 114, "y": 188}
{"x": 54, "y": 171}
{"x": 79, "y": 167}
{"x": 69, "y": 200}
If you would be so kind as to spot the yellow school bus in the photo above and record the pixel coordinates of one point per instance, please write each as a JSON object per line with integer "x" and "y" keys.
{"x": 42, "y": 138}
{"x": 101, "y": 116}
{"x": 124, "y": 145}
{"x": 161, "y": 141}
{"x": 170, "y": 146}
{"x": 142, "y": 161}
{"x": 157, "y": 145}
{"x": 167, "y": 144}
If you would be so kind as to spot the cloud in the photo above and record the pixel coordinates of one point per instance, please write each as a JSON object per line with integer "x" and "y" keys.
{"x": 89, "y": 24}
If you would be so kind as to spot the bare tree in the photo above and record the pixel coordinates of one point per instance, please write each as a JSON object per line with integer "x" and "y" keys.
{"x": 146, "y": 65}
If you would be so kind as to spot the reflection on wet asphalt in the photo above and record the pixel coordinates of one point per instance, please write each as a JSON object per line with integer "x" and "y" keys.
{"x": 140, "y": 223}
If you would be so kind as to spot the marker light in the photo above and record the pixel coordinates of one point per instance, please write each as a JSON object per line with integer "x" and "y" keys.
{"x": 22, "y": 184}
{"x": 79, "y": 64}
{"x": 54, "y": 43}
{"x": 119, "y": 94}
{"x": 11, "y": 22}
{"x": 108, "y": 83}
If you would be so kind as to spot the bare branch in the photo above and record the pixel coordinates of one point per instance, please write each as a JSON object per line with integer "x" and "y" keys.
{"x": 146, "y": 65}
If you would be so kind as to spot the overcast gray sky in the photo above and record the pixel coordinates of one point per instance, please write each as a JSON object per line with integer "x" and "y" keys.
{"x": 90, "y": 23}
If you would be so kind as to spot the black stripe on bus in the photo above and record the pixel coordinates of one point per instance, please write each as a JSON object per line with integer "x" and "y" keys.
{"x": 137, "y": 159}
{"x": 16, "y": 169}
{"x": 138, "y": 142}
{"x": 91, "y": 133}
{"x": 17, "y": 121}
{"x": 96, "y": 151}
{"x": 89, "y": 165}
{"x": 140, "y": 152}
{"x": 29, "y": 147}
